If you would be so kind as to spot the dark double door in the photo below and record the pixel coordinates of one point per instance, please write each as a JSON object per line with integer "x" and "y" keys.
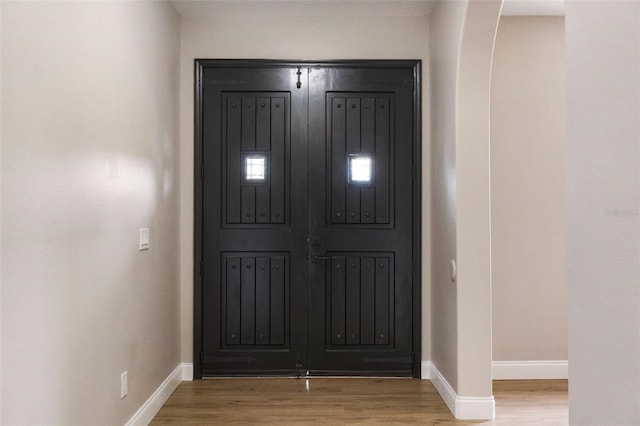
{"x": 305, "y": 216}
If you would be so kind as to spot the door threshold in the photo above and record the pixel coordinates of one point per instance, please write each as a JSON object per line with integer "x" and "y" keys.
{"x": 304, "y": 377}
{"x": 357, "y": 377}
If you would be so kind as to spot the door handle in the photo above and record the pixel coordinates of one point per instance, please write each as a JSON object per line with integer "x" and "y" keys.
{"x": 316, "y": 257}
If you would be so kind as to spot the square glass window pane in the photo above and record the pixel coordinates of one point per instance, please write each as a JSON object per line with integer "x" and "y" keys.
{"x": 360, "y": 169}
{"x": 255, "y": 168}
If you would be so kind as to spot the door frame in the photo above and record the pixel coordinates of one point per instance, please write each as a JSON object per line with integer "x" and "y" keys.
{"x": 198, "y": 266}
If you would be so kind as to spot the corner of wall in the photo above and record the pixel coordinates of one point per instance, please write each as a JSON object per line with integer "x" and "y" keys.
{"x": 445, "y": 32}
{"x": 473, "y": 236}
{"x": 463, "y": 408}
{"x": 148, "y": 410}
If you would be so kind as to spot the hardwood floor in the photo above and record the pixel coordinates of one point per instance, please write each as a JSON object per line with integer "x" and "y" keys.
{"x": 353, "y": 401}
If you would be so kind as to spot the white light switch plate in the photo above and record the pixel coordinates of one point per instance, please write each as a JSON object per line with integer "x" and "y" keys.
{"x": 144, "y": 238}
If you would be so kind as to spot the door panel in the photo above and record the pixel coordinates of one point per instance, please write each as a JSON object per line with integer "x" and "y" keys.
{"x": 360, "y": 291}
{"x": 256, "y": 125}
{"x": 347, "y": 142}
{"x": 360, "y": 279}
{"x": 256, "y": 294}
{"x": 307, "y": 219}
{"x": 254, "y": 230}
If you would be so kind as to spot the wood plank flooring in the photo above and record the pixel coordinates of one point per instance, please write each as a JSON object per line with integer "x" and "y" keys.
{"x": 353, "y": 401}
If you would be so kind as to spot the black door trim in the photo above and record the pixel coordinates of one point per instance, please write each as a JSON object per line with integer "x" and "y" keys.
{"x": 198, "y": 270}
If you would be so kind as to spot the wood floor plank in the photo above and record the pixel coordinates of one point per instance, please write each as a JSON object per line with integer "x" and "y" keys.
{"x": 353, "y": 401}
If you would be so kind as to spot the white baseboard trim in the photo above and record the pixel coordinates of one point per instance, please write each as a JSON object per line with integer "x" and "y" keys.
{"x": 463, "y": 407}
{"x": 444, "y": 388}
{"x": 529, "y": 370}
{"x": 150, "y": 408}
{"x": 425, "y": 370}
{"x": 187, "y": 371}
{"x": 475, "y": 408}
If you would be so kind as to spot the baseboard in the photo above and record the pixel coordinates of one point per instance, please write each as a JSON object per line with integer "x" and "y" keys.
{"x": 425, "y": 370}
{"x": 150, "y": 408}
{"x": 444, "y": 388}
{"x": 462, "y": 407}
{"x": 529, "y": 370}
{"x": 187, "y": 371}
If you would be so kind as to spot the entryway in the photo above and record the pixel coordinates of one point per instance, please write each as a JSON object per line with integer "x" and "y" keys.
{"x": 307, "y": 218}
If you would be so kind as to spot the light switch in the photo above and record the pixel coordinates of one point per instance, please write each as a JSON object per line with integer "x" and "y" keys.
{"x": 144, "y": 238}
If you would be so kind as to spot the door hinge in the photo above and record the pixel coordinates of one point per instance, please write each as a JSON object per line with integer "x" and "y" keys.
{"x": 202, "y": 269}
{"x": 202, "y": 172}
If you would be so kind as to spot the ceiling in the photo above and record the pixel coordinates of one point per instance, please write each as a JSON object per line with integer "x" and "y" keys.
{"x": 231, "y": 8}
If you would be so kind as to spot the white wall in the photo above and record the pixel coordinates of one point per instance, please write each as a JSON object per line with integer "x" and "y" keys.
{"x": 288, "y": 38}
{"x": 462, "y": 36}
{"x": 603, "y": 193}
{"x": 445, "y": 35}
{"x": 89, "y": 132}
{"x": 528, "y": 190}
{"x": 473, "y": 195}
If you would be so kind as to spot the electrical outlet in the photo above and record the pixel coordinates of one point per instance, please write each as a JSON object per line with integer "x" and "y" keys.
{"x": 144, "y": 238}
{"x": 124, "y": 385}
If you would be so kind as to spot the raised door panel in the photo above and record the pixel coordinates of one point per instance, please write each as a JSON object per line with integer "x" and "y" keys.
{"x": 255, "y": 176}
{"x": 360, "y": 158}
{"x": 360, "y": 300}
{"x": 256, "y": 294}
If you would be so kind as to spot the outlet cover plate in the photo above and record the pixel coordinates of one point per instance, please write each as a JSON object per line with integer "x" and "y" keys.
{"x": 144, "y": 238}
{"x": 124, "y": 385}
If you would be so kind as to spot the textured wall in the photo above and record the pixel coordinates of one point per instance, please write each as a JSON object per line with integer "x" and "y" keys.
{"x": 462, "y": 36}
{"x": 603, "y": 205}
{"x": 89, "y": 155}
{"x": 528, "y": 190}
{"x": 473, "y": 220}
{"x": 445, "y": 32}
